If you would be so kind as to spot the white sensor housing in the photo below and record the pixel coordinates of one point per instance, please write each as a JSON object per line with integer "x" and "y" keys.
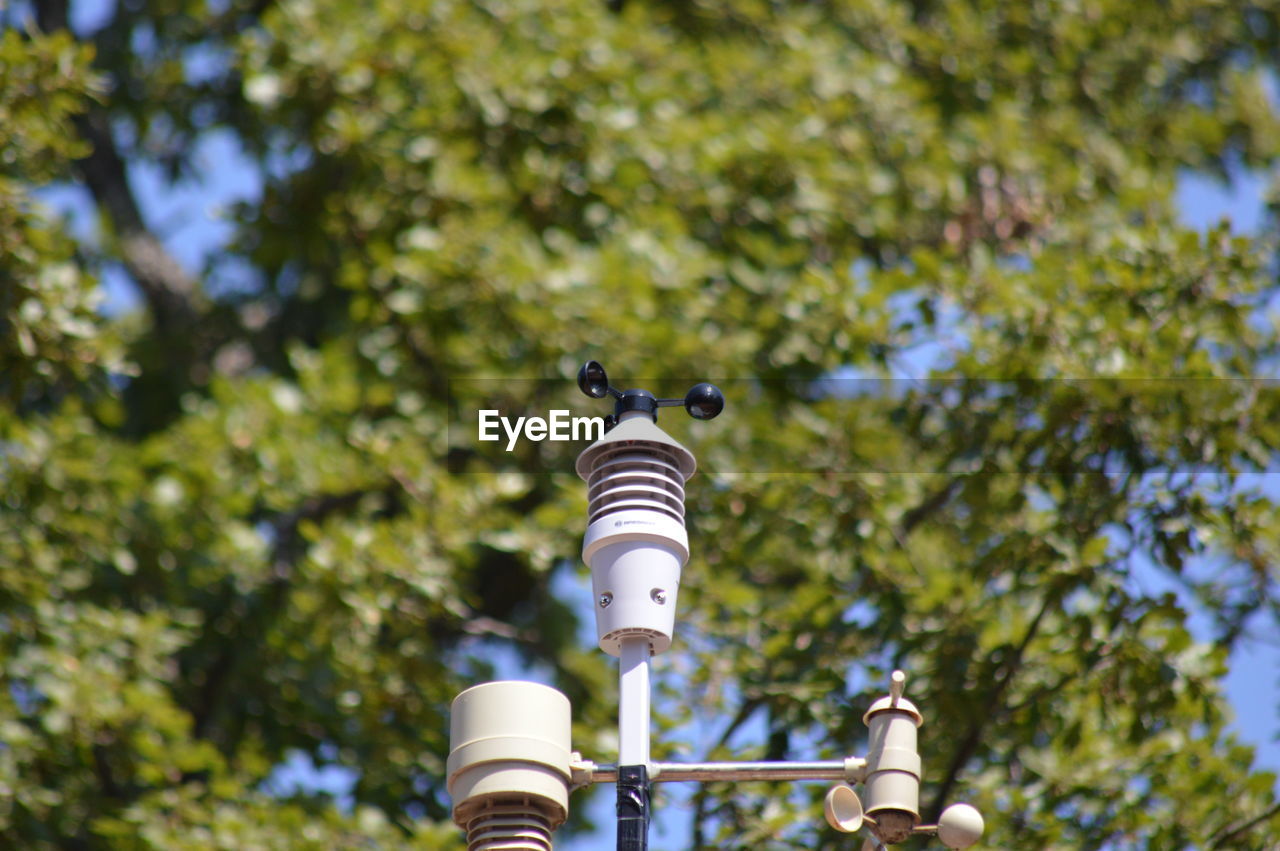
{"x": 509, "y": 765}
{"x": 892, "y": 786}
{"x": 636, "y": 544}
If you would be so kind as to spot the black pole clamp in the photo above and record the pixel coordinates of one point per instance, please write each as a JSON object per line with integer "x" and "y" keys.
{"x": 633, "y": 807}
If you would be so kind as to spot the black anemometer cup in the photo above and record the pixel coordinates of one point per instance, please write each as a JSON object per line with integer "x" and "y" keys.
{"x": 703, "y": 401}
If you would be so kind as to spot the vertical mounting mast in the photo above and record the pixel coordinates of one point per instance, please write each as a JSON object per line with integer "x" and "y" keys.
{"x": 636, "y": 546}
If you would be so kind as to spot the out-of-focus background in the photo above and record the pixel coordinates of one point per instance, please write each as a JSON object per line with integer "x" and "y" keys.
{"x": 991, "y": 290}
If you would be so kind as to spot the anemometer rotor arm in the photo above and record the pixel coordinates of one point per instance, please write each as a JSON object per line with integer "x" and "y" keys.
{"x": 703, "y": 401}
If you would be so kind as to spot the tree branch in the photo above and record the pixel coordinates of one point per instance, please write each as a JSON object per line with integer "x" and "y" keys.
{"x": 1222, "y": 840}
{"x": 170, "y": 293}
{"x": 973, "y": 736}
{"x": 914, "y": 516}
{"x": 287, "y": 549}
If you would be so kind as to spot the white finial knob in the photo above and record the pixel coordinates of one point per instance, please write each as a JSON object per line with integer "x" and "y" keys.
{"x": 897, "y": 682}
{"x": 959, "y": 826}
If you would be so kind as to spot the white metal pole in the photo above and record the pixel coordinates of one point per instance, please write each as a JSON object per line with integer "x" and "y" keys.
{"x": 633, "y": 703}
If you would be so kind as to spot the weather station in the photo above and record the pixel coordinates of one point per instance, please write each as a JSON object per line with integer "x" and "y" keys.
{"x": 511, "y": 766}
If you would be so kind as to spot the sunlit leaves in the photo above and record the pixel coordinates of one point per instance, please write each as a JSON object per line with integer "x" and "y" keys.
{"x": 804, "y": 203}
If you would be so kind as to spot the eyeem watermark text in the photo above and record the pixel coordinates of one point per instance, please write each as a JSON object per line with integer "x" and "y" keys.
{"x": 559, "y": 425}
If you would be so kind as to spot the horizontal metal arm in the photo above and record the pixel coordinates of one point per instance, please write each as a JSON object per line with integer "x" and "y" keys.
{"x": 851, "y": 770}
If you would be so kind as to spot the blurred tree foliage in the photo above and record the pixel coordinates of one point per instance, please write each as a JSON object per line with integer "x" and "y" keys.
{"x": 235, "y": 523}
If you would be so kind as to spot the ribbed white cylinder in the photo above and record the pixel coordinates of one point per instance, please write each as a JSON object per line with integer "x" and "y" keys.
{"x": 518, "y": 824}
{"x": 509, "y": 764}
{"x": 636, "y": 543}
{"x": 892, "y": 787}
{"x": 635, "y": 477}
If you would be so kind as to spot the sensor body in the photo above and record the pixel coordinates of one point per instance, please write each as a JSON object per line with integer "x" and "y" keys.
{"x": 892, "y": 786}
{"x": 509, "y": 764}
{"x": 636, "y": 543}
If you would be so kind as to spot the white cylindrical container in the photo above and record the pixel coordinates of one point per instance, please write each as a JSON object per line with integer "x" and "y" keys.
{"x": 892, "y": 787}
{"x": 636, "y": 544}
{"x": 509, "y": 764}
{"x": 635, "y": 578}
